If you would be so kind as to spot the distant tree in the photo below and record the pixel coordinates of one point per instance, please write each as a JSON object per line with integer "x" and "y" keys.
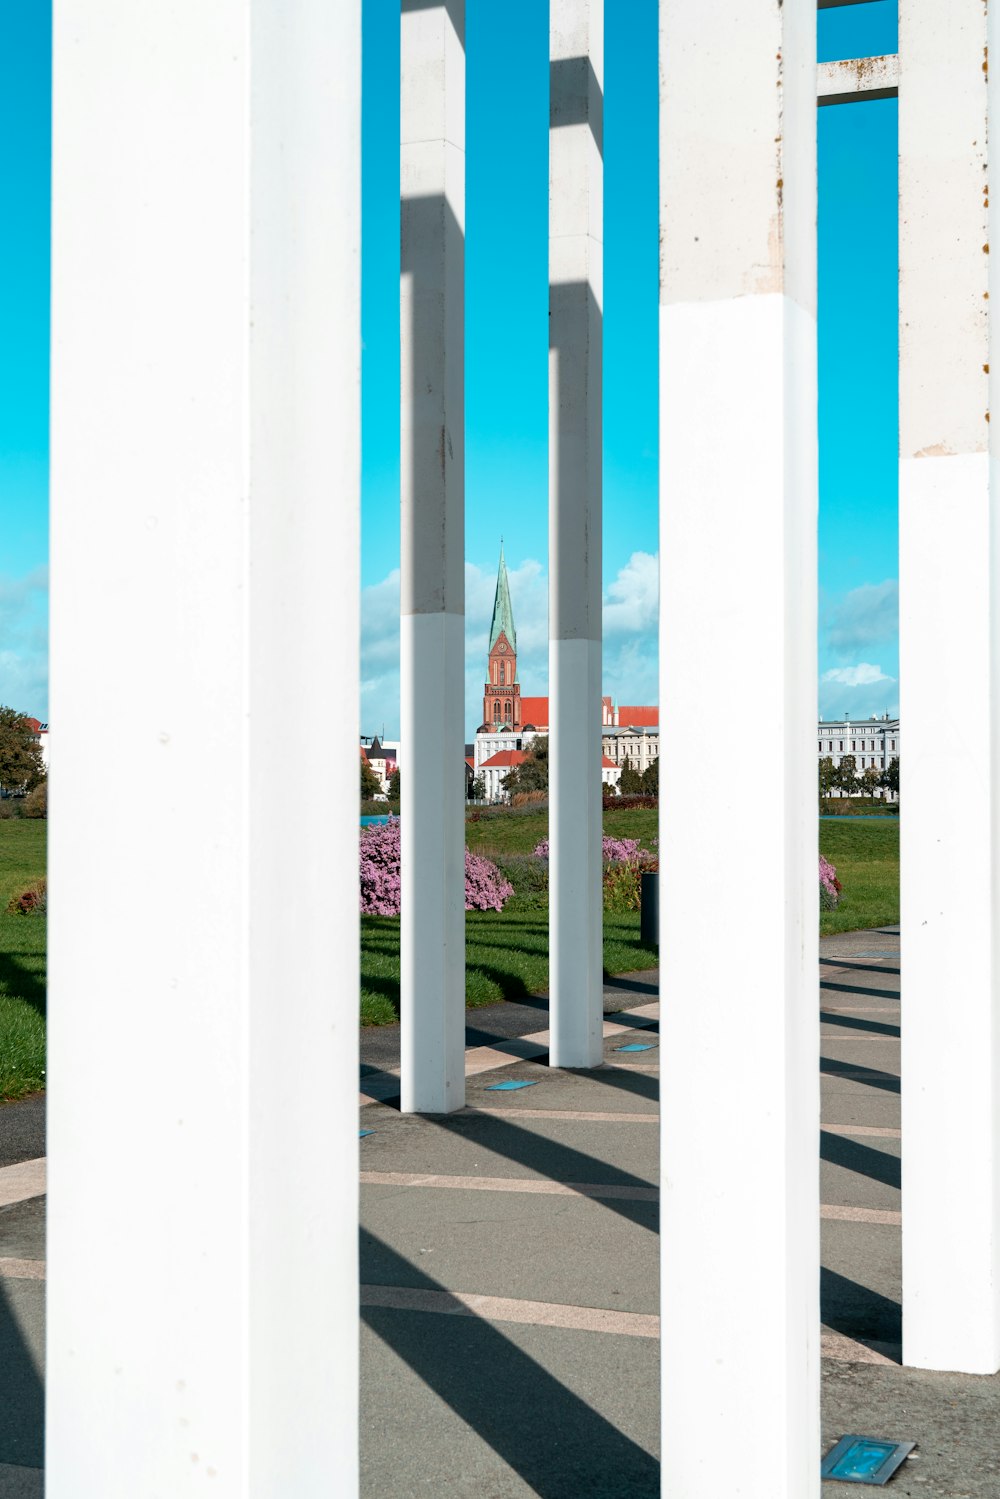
{"x": 394, "y": 785}
{"x": 370, "y": 783}
{"x": 651, "y": 778}
{"x": 827, "y": 778}
{"x": 847, "y": 775}
{"x": 21, "y": 766}
{"x": 477, "y": 791}
{"x": 890, "y": 776}
{"x": 630, "y": 782}
{"x": 36, "y": 803}
{"x": 533, "y": 772}
{"x": 871, "y": 780}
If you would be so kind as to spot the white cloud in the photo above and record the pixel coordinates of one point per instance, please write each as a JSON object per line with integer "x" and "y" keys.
{"x": 862, "y": 675}
{"x": 857, "y": 692}
{"x": 24, "y": 674}
{"x": 864, "y": 617}
{"x": 632, "y": 601}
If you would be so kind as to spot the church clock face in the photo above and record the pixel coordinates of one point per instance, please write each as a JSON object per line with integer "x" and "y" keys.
{"x": 502, "y": 646}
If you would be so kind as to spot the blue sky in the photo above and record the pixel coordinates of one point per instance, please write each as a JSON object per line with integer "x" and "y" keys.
{"x": 506, "y": 352}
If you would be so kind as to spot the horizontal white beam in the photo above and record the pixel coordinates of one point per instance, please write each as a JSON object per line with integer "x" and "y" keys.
{"x": 855, "y": 79}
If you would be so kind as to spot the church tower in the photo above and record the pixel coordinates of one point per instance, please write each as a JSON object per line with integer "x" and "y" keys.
{"x": 502, "y": 694}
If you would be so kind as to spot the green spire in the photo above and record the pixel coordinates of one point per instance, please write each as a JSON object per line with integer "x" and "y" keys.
{"x": 503, "y": 614}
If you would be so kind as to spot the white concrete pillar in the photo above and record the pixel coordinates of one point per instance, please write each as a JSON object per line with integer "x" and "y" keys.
{"x": 432, "y": 602}
{"x": 576, "y": 267}
{"x": 202, "y": 1250}
{"x": 739, "y": 897}
{"x": 950, "y": 695}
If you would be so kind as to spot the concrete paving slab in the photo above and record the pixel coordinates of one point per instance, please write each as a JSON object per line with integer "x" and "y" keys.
{"x": 22, "y": 1129}
{"x": 844, "y": 1183}
{"x": 847, "y": 1102}
{"x": 861, "y": 1279}
{"x": 564, "y": 1249}
{"x": 470, "y": 1145}
{"x": 464, "y": 1407}
{"x": 856, "y": 1080}
{"x": 22, "y": 1230}
{"x": 21, "y": 1483}
{"x": 856, "y": 1024}
{"x": 604, "y": 1088}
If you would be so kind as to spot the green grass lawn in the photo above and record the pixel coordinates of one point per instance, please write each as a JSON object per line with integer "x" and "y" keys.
{"x": 517, "y": 831}
{"x": 866, "y": 858}
{"x": 22, "y": 962}
{"x": 506, "y": 956}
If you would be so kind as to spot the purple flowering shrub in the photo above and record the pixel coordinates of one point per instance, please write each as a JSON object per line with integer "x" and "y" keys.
{"x": 380, "y": 869}
{"x": 829, "y": 886}
{"x": 485, "y": 887}
{"x": 616, "y": 850}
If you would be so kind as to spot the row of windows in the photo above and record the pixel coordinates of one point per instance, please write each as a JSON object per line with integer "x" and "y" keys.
{"x": 854, "y": 745}
{"x": 878, "y": 761}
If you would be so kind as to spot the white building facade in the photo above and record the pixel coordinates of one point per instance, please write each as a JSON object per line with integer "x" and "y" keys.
{"x": 640, "y": 746}
{"x": 874, "y": 742}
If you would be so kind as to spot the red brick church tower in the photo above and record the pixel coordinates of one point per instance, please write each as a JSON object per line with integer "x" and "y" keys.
{"x": 502, "y": 693}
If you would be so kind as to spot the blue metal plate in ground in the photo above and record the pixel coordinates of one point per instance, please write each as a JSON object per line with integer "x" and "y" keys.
{"x": 363, "y": 1132}
{"x": 637, "y": 1046}
{"x": 507, "y": 1087}
{"x": 865, "y": 1460}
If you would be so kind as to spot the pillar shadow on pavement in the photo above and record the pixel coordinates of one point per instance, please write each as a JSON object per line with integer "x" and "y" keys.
{"x": 557, "y": 1162}
{"x": 857, "y": 1311}
{"x": 557, "y": 1442}
{"x": 22, "y": 1397}
{"x": 841, "y": 1150}
{"x": 870, "y": 1076}
{"x": 857, "y": 1023}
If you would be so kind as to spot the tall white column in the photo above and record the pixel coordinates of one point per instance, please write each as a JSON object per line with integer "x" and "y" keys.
{"x": 576, "y": 269}
{"x": 202, "y": 1260}
{"x": 739, "y": 1083}
{"x": 950, "y": 695}
{"x": 432, "y": 603}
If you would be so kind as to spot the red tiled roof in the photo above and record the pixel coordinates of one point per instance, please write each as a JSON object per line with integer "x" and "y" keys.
{"x": 607, "y": 764}
{"x": 364, "y": 753}
{"x": 638, "y": 718}
{"x": 535, "y": 710}
{"x": 505, "y": 757}
{"x": 470, "y": 760}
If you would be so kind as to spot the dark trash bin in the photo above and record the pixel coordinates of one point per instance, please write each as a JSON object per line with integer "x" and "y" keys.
{"x": 649, "y": 908}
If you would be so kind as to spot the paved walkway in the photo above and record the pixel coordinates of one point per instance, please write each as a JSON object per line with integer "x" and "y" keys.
{"x": 509, "y": 1265}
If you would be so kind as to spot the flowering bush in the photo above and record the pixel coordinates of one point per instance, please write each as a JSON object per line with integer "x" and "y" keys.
{"x": 616, "y": 850}
{"x": 485, "y": 887}
{"x": 829, "y": 886}
{"x": 380, "y": 869}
